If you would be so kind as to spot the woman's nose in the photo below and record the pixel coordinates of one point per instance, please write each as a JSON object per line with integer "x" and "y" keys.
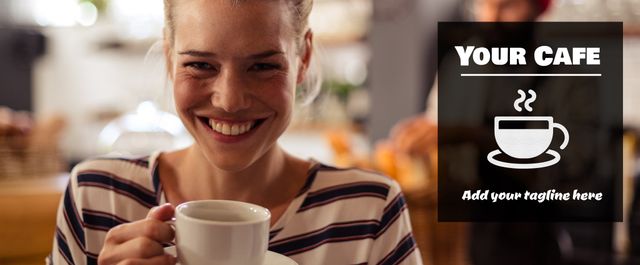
{"x": 230, "y": 92}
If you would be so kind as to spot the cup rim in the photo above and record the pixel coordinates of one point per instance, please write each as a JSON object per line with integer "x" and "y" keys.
{"x": 523, "y": 118}
{"x": 262, "y": 218}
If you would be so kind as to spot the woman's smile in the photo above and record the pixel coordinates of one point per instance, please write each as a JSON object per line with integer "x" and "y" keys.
{"x": 231, "y": 130}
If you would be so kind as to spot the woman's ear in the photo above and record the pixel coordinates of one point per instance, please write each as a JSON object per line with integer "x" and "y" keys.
{"x": 168, "y": 52}
{"x": 307, "y": 51}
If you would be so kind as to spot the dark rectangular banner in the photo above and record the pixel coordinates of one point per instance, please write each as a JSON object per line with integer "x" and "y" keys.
{"x": 530, "y": 121}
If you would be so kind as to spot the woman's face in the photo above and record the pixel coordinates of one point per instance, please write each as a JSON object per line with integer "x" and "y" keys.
{"x": 234, "y": 67}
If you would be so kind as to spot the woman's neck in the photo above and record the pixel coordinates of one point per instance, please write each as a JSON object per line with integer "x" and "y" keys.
{"x": 272, "y": 180}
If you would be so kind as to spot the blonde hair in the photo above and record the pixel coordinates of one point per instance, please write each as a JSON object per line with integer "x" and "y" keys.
{"x": 300, "y": 9}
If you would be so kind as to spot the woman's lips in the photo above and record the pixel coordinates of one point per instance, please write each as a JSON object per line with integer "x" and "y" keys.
{"x": 231, "y": 131}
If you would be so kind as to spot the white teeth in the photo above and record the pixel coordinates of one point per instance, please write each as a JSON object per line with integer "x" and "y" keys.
{"x": 225, "y": 129}
{"x": 230, "y": 129}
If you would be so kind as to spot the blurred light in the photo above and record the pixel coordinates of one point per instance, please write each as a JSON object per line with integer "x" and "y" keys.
{"x": 147, "y": 111}
{"x": 355, "y": 72}
{"x": 340, "y": 20}
{"x": 57, "y": 13}
{"x": 141, "y": 29}
{"x": 146, "y": 129}
{"x": 172, "y": 124}
{"x": 87, "y": 14}
{"x": 63, "y": 13}
{"x": 139, "y": 19}
{"x": 109, "y": 134}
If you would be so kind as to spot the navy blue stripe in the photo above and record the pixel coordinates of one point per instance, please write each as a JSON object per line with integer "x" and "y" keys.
{"x": 311, "y": 176}
{"x": 334, "y": 233}
{"x": 350, "y": 191}
{"x": 330, "y": 168}
{"x": 113, "y": 177}
{"x": 92, "y": 260}
{"x": 63, "y": 247}
{"x": 324, "y": 167}
{"x": 402, "y": 250}
{"x": 392, "y": 212}
{"x": 143, "y": 196}
{"x": 100, "y": 221}
{"x": 274, "y": 233}
{"x": 155, "y": 176}
{"x": 105, "y": 214}
{"x": 141, "y": 162}
{"x": 73, "y": 220}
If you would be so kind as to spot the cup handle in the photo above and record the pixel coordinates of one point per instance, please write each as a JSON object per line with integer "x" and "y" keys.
{"x": 172, "y": 223}
{"x": 565, "y": 132}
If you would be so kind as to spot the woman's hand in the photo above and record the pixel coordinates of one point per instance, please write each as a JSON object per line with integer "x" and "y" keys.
{"x": 416, "y": 136}
{"x": 140, "y": 242}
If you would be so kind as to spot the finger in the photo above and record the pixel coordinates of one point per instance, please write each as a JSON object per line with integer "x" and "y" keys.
{"x": 157, "y": 260}
{"x": 150, "y": 228}
{"x": 162, "y": 213}
{"x": 137, "y": 248}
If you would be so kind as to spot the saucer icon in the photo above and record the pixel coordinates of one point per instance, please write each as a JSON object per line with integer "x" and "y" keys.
{"x": 492, "y": 157}
{"x": 520, "y": 145}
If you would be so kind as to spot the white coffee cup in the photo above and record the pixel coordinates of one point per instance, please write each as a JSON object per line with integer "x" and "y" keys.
{"x": 221, "y": 232}
{"x": 527, "y": 143}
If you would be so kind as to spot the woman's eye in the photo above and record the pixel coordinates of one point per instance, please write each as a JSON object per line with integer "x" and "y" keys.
{"x": 199, "y": 66}
{"x": 264, "y": 67}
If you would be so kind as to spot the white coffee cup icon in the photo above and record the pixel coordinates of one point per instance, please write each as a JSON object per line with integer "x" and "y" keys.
{"x": 526, "y": 137}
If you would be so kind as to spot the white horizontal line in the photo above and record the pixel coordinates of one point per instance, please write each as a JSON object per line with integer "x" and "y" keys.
{"x": 530, "y": 74}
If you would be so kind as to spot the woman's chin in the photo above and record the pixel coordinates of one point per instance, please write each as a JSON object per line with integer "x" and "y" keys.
{"x": 231, "y": 162}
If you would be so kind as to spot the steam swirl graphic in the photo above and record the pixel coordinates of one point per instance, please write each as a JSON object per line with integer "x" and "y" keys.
{"x": 527, "y": 103}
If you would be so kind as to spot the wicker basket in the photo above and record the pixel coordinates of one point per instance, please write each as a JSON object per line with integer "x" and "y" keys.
{"x": 21, "y": 163}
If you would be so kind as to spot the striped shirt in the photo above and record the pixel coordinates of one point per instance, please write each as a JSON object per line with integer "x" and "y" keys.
{"x": 340, "y": 216}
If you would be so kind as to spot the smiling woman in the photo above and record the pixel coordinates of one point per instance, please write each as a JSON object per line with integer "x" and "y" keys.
{"x": 235, "y": 68}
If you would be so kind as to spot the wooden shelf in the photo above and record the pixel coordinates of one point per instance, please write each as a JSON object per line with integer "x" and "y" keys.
{"x": 28, "y": 220}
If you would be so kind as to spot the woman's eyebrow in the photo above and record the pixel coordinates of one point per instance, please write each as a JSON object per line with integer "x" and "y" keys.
{"x": 195, "y": 53}
{"x": 260, "y": 55}
{"x": 265, "y": 54}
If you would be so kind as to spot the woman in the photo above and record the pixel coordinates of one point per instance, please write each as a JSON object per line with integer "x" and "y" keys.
{"x": 234, "y": 66}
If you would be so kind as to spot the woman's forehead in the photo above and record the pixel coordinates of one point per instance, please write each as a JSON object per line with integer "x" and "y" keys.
{"x": 224, "y": 24}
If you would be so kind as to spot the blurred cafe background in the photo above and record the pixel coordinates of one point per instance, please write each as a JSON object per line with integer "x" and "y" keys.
{"x": 86, "y": 77}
